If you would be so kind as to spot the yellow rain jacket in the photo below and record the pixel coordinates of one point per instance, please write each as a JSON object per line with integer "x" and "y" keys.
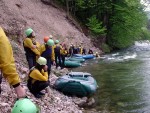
{"x": 63, "y": 51}
{"x": 80, "y": 50}
{"x": 28, "y": 42}
{"x": 7, "y": 64}
{"x": 37, "y": 75}
{"x": 42, "y": 49}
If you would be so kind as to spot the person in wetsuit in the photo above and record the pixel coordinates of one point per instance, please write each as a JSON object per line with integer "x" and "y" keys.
{"x": 64, "y": 53}
{"x": 47, "y": 51}
{"x": 57, "y": 49}
{"x": 31, "y": 47}
{"x": 38, "y": 78}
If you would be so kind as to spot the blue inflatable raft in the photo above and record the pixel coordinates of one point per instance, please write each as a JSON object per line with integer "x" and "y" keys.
{"x": 88, "y": 56}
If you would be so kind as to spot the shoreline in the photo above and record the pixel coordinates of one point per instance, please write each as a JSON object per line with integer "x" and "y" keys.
{"x": 57, "y": 102}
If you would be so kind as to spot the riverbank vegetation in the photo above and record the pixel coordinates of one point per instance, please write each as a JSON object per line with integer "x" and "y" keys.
{"x": 116, "y": 24}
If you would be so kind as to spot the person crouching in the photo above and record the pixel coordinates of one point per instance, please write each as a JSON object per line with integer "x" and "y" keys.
{"x": 38, "y": 78}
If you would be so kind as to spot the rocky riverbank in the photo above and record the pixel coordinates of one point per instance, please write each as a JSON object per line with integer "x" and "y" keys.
{"x": 55, "y": 102}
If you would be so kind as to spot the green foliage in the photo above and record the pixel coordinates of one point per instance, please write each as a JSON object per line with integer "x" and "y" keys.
{"x": 126, "y": 24}
{"x": 123, "y": 20}
{"x": 148, "y": 24}
{"x": 145, "y": 34}
{"x": 85, "y": 4}
{"x": 95, "y": 26}
{"x": 62, "y": 1}
{"x": 105, "y": 48}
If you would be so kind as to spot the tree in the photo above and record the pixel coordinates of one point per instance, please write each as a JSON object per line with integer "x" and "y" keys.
{"x": 126, "y": 23}
{"x": 95, "y": 26}
{"x": 120, "y": 20}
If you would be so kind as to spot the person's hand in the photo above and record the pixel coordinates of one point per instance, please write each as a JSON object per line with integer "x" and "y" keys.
{"x": 38, "y": 56}
{"x": 45, "y": 68}
{"x": 20, "y": 91}
{"x": 34, "y": 47}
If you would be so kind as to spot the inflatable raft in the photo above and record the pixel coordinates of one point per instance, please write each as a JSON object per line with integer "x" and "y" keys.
{"x": 81, "y": 60}
{"x": 72, "y": 64}
{"x": 88, "y": 56}
{"x": 76, "y": 84}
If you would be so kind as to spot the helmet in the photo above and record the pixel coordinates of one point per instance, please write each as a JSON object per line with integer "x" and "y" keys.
{"x": 50, "y": 36}
{"x": 24, "y": 106}
{"x": 42, "y": 61}
{"x": 28, "y": 31}
{"x": 50, "y": 42}
{"x": 46, "y": 38}
{"x": 56, "y": 41}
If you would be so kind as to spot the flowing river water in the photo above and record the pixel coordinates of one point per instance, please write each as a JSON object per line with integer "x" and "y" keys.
{"x": 124, "y": 80}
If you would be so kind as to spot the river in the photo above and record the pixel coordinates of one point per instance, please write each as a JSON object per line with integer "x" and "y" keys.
{"x": 123, "y": 78}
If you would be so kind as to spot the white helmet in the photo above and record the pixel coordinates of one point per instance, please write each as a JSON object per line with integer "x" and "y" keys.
{"x": 42, "y": 61}
{"x": 50, "y": 36}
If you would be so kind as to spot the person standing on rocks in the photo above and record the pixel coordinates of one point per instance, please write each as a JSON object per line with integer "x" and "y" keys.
{"x": 83, "y": 49}
{"x": 64, "y": 53}
{"x": 71, "y": 50}
{"x": 38, "y": 78}
{"x": 31, "y": 47}
{"x": 80, "y": 50}
{"x": 57, "y": 49}
{"x": 7, "y": 65}
{"x": 47, "y": 51}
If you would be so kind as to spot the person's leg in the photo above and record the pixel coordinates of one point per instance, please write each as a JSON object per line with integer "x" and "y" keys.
{"x": 38, "y": 86}
{"x": 49, "y": 66}
{"x": 56, "y": 60}
{"x": 63, "y": 61}
{"x": 29, "y": 85}
{"x": 30, "y": 62}
{"x": 34, "y": 60}
{"x": 59, "y": 60}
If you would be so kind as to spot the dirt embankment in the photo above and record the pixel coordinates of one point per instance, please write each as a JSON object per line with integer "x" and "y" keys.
{"x": 18, "y": 15}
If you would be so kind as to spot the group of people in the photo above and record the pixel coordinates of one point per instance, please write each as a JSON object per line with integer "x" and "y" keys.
{"x": 79, "y": 49}
{"x": 40, "y": 57}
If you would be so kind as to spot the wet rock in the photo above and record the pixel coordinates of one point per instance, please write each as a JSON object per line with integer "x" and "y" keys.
{"x": 79, "y": 101}
{"x": 90, "y": 101}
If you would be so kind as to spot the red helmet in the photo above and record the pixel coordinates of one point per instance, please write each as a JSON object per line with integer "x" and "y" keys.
{"x": 46, "y": 38}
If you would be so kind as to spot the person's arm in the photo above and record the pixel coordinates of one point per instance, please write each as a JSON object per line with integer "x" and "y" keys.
{"x": 28, "y": 43}
{"x": 42, "y": 48}
{"x": 35, "y": 74}
{"x": 38, "y": 45}
{"x": 53, "y": 55}
{"x": 7, "y": 64}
